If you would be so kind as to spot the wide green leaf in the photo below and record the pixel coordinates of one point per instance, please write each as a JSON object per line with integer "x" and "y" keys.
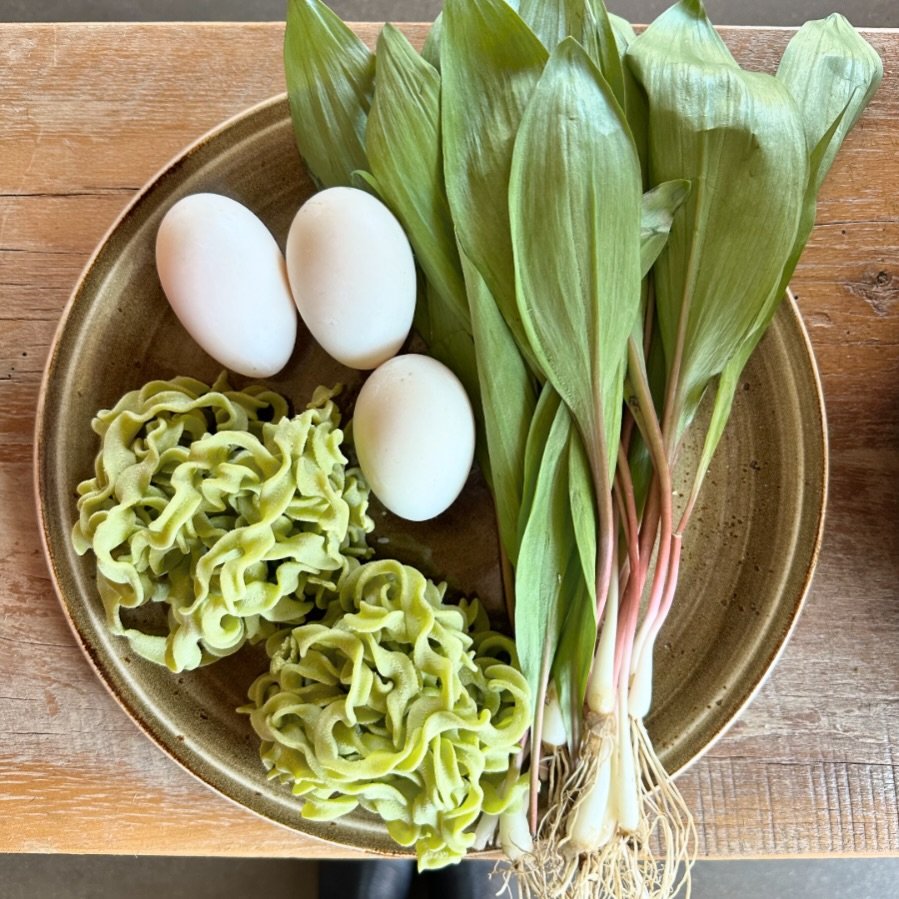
{"x": 404, "y": 152}
{"x": 588, "y": 22}
{"x": 554, "y": 20}
{"x": 555, "y": 611}
{"x": 635, "y": 108}
{"x": 574, "y": 654}
{"x": 490, "y": 63}
{"x": 656, "y": 217}
{"x": 431, "y": 49}
{"x": 545, "y": 412}
{"x": 508, "y": 398}
{"x": 583, "y": 512}
{"x": 832, "y": 74}
{"x": 737, "y": 137}
{"x": 453, "y": 345}
{"x": 403, "y": 146}
{"x": 330, "y": 74}
{"x": 575, "y": 205}
{"x": 624, "y": 31}
{"x": 580, "y": 484}
{"x": 547, "y": 555}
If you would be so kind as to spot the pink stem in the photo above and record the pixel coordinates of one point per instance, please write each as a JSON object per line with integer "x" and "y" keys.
{"x": 670, "y": 586}
{"x": 625, "y": 486}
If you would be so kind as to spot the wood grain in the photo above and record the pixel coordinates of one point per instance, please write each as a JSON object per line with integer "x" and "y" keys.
{"x": 88, "y": 114}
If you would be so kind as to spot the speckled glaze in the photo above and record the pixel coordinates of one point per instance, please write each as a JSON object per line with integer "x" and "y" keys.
{"x": 749, "y": 553}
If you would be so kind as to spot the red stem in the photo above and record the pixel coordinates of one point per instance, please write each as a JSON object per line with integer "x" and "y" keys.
{"x": 625, "y": 489}
{"x": 670, "y": 586}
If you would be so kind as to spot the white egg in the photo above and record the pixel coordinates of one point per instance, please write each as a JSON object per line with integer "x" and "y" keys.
{"x": 414, "y": 435}
{"x": 352, "y": 275}
{"x": 226, "y": 279}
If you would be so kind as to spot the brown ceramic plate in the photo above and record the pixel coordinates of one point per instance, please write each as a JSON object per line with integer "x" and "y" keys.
{"x": 750, "y": 550}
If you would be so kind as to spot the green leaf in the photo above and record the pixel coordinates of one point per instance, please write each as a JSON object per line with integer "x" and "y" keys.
{"x": 547, "y": 553}
{"x": 725, "y": 391}
{"x": 545, "y": 412}
{"x": 588, "y": 22}
{"x": 575, "y": 200}
{"x": 738, "y": 138}
{"x": 362, "y": 180}
{"x": 624, "y": 31}
{"x": 656, "y": 216}
{"x": 606, "y": 51}
{"x": 555, "y": 608}
{"x": 508, "y": 398}
{"x": 832, "y": 73}
{"x": 490, "y": 63}
{"x": 583, "y": 513}
{"x": 635, "y": 108}
{"x": 726, "y": 387}
{"x": 329, "y": 74}
{"x": 574, "y": 654}
{"x": 403, "y": 148}
{"x": 431, "y": 50}
{"x": 651, "y": 371}
{"x": 452, "y": 344}
{"x": 555, "y": 20}
{"x": 580, "y": 484}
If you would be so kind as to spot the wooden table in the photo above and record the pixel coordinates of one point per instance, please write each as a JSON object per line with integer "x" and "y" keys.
{"x": 87, "y": 114}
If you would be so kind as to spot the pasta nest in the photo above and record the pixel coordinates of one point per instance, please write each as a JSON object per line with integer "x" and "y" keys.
{"x": 218, "y": 505}
{"x": 400, "y": 704}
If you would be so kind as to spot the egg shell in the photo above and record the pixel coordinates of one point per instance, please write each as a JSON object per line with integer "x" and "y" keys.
{"x": 225, "y": 277}
{"x": 352, "y": 274}
{"x": 414, "y": 434}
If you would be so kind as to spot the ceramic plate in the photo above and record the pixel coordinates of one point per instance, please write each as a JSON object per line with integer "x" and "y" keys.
{"x": 749, "y": 552}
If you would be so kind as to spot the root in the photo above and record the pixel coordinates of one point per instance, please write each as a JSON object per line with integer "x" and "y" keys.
{"x": 653, "y": 863}
{"x": 559, "y": 769}
{"x": 671, "y": 836}
{"x": 547, "y": 871}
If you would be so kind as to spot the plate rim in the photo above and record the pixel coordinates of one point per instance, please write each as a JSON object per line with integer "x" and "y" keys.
{"x": 302, "y": 827}
{"x": 815, "y": 554}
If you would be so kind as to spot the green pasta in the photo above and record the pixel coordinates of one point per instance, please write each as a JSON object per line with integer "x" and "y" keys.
{"x": 399, "y": 704}
{"x": 218, "y": 505}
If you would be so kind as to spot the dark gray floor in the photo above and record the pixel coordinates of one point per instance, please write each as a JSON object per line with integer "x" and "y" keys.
{"x": 870, "y": 13}
{"x": 106, "y": 877}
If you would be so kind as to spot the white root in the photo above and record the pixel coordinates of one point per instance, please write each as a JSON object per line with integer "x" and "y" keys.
{"x": 588, "y": 828}
{"x": 642, "y": 848}
{"x": 485, "y": 833}
{"x": 553, "y": 723}
{"x": 640, "y": 698}
{"x": 627, "y": 787}
{"x": 514, "y": 832}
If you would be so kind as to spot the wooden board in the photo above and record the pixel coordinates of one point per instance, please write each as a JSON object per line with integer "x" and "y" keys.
{"x": 87, "y": 114}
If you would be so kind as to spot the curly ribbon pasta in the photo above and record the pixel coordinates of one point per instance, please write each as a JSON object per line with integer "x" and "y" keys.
{"x": 397, "y": 703}
{"x": 218, "y": 505}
